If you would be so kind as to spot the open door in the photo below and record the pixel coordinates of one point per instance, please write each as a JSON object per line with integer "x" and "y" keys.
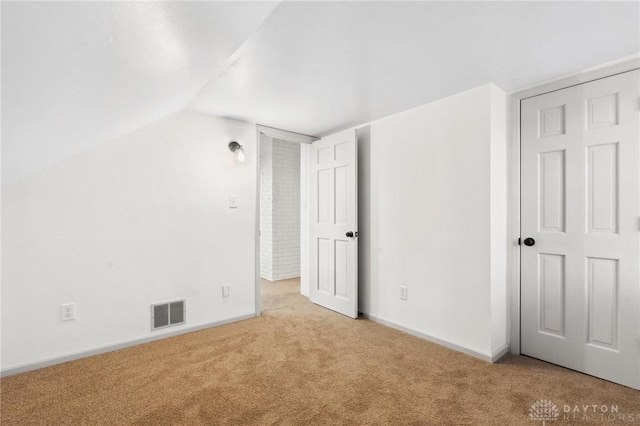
{"x": 333, "y": 208}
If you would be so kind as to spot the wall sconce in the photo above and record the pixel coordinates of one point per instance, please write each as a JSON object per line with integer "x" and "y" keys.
{"x": 236, "y": 148}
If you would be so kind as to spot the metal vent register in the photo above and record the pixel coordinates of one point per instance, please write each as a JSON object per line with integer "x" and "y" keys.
{"x": 168, "y": 314}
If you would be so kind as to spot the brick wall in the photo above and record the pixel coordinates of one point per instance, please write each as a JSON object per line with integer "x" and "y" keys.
{"x": 279, "y": 209}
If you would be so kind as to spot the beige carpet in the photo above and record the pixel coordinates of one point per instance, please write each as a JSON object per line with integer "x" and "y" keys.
{"x": 301, "y": 364}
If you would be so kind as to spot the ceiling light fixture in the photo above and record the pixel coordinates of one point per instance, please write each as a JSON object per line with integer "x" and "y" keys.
{"x": 236, "y": 148}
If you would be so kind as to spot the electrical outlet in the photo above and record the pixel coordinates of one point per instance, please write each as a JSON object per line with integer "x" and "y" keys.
{"x": 225, "y": 290}
{"x": 403, "y": 292}
{"x": 68, "y": 312}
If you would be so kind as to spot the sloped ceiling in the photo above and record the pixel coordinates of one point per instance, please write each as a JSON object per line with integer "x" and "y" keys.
{"x": 76, "y": 74}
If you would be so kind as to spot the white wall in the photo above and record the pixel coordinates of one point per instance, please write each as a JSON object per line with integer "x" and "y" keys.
{"x": 139, "y": 220}
{"x": 432, "y": 213}
{"x": 499, "y": 221}
{"x": 279, "y": 209}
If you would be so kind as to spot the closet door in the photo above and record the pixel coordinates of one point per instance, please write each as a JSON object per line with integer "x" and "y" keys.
{"x": 580, "y": 278}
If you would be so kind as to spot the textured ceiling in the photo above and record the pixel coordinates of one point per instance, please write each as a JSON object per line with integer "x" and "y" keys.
{"x": 76, "y": 74}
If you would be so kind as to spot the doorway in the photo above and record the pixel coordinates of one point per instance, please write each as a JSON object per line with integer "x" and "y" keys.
{"x": 281, "y": 224}
{"x": 325, "y": 255}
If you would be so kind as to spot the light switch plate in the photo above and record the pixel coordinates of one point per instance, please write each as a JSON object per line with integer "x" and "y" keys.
{"x": 233, "y": 202}
{"x": 226, "y": 290}
{"x": 403, "y": 292}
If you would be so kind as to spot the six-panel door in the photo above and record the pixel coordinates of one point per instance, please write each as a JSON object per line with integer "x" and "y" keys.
{"x": 580, "y": 281}
{"x": 333, "y": 278}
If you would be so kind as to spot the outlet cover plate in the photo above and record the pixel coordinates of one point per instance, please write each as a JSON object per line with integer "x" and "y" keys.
{"x": 68, "y": 312}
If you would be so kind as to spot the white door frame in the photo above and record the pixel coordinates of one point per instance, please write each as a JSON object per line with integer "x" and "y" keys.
{"x": 276, "y": 134}
{"x": 626, "y": 64}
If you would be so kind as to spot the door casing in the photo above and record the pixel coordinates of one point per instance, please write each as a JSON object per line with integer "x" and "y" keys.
{"x": 626, "y": 64}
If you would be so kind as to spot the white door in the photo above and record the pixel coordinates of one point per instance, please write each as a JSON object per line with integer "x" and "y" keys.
{"x": 333, "y": 202}
{"x": 580, "y": 280}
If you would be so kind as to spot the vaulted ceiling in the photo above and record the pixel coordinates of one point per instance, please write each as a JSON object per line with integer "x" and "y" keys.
{"x": 76, "y": 74}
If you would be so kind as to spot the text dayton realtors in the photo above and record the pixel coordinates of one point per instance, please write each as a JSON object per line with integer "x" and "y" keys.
{"x": 607, "y": 412}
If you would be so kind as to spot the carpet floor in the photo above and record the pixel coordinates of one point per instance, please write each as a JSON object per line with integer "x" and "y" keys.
{"x": 300, "y": 364}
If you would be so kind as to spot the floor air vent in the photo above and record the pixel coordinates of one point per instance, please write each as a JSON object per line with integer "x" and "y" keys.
{"x": 168, "y": 314}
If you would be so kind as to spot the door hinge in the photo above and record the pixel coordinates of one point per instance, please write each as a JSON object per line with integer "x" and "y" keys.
{"x": 519, "y": 241}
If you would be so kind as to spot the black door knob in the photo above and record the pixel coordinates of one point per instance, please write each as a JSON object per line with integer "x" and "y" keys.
{"x": 529, "y": 242}
{"x": 350, "y": 234}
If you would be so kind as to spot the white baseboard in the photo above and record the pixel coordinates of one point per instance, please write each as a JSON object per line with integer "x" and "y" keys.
{"x": 476, "y": 354}
{"x": 497, "y": 355}
{"x": 286, "y": 277}
{"x": 47, "y": 362}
